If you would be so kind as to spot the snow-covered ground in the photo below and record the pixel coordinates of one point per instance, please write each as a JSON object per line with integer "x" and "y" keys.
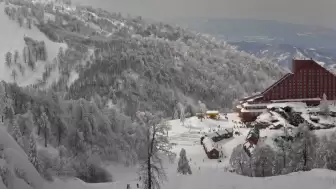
{"x": 12, "y": 39}
{"x": 208, "y": 173}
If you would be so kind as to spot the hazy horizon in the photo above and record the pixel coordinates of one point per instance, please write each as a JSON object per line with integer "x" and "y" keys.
{"x": 320, "y": 13}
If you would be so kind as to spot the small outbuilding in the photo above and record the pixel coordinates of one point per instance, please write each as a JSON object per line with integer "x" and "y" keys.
{"x": 213, "y": 114}
{"x": 210, "y": 150}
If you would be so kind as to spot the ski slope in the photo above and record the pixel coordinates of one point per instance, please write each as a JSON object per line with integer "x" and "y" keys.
{"x": 208, "y": 173}
{"x": 11, "y": 38}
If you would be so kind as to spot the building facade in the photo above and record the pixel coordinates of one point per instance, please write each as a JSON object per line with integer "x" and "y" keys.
{"x": 307, "y": 83}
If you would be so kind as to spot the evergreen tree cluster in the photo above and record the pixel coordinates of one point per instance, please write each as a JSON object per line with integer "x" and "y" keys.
{"x": 183, "y": 166}
{"x": 80, "y": 128}
{"x": 304, "y": 153}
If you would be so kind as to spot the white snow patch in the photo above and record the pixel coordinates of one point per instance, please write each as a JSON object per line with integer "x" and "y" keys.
{"x": 73, "y": 77}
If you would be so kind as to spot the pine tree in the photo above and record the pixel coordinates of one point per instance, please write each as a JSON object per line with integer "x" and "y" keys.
{"x": 182, "y": 112}
{"x": 45, "y": 127}
{"x": 14, "y": 75}
{"x": 16, "y": 133}
{"x": 183, "y": 163}
{"x": 60, "y": 54}
{"x": 32, "y": 152}
{"x": 8, "y": 59}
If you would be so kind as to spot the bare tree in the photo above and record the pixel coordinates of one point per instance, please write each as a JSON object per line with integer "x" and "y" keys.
{"x": 304, "y": 149}
{"x": 151, "y": 169}
{"x": 29, "y": 22}
{"x": 262, "y": 160}
{"x": 21, "y": 69}
{"x": 182, "y": 112}
{"x": 202, "y": 107}
{"x": 24, "y": 55}
{"x": 240, "y": 162}
{"x": 46, "y": 127}
{"x": 20, "y": 21}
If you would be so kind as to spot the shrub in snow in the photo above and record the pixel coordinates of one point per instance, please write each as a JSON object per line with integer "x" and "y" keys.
{"x": 183, "y": 163}
{"x": 45, "y": 160}
{"x": 89, "y": 171}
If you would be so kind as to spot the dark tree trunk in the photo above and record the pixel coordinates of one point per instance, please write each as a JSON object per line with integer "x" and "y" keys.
{"x": 149, "y": 173}
{"x": 45, "y": 137}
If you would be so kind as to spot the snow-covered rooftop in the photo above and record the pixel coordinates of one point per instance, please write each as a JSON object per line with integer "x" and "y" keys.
{"x": 212, "y": 112}
{"x": 297, "y": 106}
{"x": 297, "y": 100}
{"x": 220, "y": 132}
{"x": 255, "y": 105}
{"x": 208, "y": 144}
{"x": 253, "y": 110}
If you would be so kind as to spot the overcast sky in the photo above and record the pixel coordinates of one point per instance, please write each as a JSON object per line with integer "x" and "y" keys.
{"x": 315, "y": 12}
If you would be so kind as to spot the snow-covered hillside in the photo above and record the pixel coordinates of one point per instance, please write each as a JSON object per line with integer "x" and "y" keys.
{"x": 15, "y": 169}
{"x": 12, "y": 39}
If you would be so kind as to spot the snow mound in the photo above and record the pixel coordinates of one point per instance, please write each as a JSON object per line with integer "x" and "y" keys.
{"x": 12, "y": 39}
{"x": 214, "y": 179}
{"x": 210, "y": 179}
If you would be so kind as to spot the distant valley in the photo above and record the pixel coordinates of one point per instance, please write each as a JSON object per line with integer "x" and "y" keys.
{"x": 277, "y": 41}
{"x": 283, "y": 53}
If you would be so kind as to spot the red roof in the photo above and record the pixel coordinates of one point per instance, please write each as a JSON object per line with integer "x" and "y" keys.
{"x": 297, "y": 65}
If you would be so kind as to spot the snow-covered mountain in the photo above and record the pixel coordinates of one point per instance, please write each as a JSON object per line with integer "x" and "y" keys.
{"x": 277, "y": 41}
{"x": 283, "y": 53}
{"x": 265, "y": 31}
{"x": 94, "y": 103}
